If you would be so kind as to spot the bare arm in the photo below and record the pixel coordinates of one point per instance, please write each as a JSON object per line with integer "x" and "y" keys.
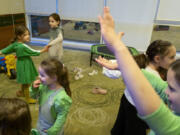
{"x": 106, "y": 63}
{"x": 144, "y": 96}
{"x": 56, "y": 40}
{"x": 45, "y": 49}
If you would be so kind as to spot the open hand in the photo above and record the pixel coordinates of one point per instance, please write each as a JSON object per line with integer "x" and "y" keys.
{"x": 108, "y": 30}
{"x": 106, "y": 63}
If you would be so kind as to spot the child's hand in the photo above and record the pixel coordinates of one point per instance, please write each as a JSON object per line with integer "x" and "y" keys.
{"x": 108, "y": 30}
{"x": 46, "y": 48}
{"x": 36, "y": 83}
{"x": 106, "y": 63}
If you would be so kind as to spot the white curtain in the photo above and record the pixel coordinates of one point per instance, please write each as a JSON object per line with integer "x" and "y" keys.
{"x": 135, "y": 18}
{"x": 42, "y": 7}
{"x": 169, "y": 10}
{"x": 82, "y": 10}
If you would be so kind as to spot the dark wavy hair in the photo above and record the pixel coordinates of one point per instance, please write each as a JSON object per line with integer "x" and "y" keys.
{"x": 53, "y": 67}
{"x": 19, "y": 31}
{"x": 15, "y": 117}
{"x": 157, "y": 47}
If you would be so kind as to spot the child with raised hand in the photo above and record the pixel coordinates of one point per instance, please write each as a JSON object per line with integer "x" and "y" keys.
{"x": 53, "y": 90}
{"x": 148, "y": 104}
{"x": 15, "y": 117}
{"x": 56, "y": 37}
{"x": 26, "y": 71}
{"x": 159, "y": 55}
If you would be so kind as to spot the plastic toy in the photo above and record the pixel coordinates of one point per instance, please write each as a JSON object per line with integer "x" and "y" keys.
{"x": 2, "y": 65}
{"x": 80, "y": 25}
{"x": 10, "y": 61}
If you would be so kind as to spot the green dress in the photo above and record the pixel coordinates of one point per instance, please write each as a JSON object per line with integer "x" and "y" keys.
{"x": 26, "y": 71}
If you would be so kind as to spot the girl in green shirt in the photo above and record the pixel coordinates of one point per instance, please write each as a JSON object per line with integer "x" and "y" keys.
{"x": 53, "y": 91}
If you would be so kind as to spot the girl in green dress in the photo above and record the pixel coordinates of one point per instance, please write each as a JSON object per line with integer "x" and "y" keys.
{"x": 26, "y": 71}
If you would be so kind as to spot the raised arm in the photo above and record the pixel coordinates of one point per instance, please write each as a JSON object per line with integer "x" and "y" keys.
{"x": 144, "y": 96}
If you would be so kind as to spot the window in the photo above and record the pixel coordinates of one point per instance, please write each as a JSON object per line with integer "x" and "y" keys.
{"x": 82, "y": 31}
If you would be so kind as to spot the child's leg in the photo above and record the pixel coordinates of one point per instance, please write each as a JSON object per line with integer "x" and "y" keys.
{"x": 127, "y": 122}
{"x": 20, "y": 93}
{"x": 134, "y": 125}
{"x": 27, "y": 96}
{"x": 119, "y": 125}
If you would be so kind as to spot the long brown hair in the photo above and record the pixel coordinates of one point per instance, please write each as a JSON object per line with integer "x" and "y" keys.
{"x": 157, "y": 47}
{"x": 19, "y": 31}
{"x": 15, "y": 117}
{"x": 54, "y": 67}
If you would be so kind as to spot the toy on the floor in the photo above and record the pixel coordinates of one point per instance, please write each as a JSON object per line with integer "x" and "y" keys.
{"x": 94, "y": 72}
{"x": 78, "y": 72}
{"x": 2, "y": 65}
{"x": 10, "y": 66}
{"x": 90, "y": 32}
{"x": 80, "y": 25}
{"x": 99, "y": 90}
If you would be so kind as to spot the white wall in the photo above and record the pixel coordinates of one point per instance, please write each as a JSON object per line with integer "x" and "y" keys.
{"x": 82, "y": 10}
{"x": 11, "y": 6}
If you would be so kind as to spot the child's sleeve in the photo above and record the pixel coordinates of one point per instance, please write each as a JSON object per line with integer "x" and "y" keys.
{"x": 35, "y": 92}
{"x": 56, "y": 40}
{"x": 163, "y": 121}
{"x": 158, "y": 84}
{"x": 62, "y": 106}
{"x": 9, "y": 49}
{"x": 28, "y": 51}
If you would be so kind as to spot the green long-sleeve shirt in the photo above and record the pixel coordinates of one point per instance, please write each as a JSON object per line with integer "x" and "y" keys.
{"x": 163, "y": 121}
{"x": 157, "y": 83}
{"x": 59, "y": 108}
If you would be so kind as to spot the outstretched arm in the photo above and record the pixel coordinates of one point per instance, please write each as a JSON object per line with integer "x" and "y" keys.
{"x": 107, "y": 63}
{"x": 56, "y": 40}
{"x": 144, "y": 96}
{"x": 45, "y": 49}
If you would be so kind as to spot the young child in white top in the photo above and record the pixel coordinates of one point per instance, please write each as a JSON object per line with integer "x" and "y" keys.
{"x": 56, "y": 37}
